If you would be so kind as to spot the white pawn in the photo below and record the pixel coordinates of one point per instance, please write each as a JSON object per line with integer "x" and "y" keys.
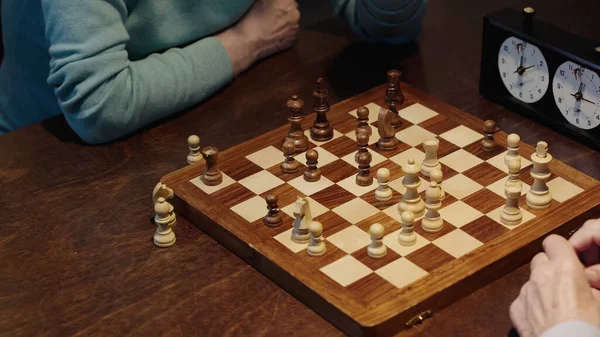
{"x": 194, "y": 155}
{"x": 431, "y": 161}
{"x": 407, "y": 235}
{"x": 433, "y": 222}
{"x": 511, "y": 213}
{"x": 316, "y": 247}
{"x": 437, "y": 176}
{"x": 164, "y": 219}
{"x": 514, "y": 169}
{"x": 513, "y": 148}
{"x": 376, "y": 249}
{"x": 383, "y": 191}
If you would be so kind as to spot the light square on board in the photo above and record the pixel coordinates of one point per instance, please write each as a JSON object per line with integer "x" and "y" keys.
{"x": 350, "y": 239}
{"x": 461, "y": 136}
{"x": 266, "y": 157}
{"x": 251, "y": 209}
{"x": 401, "y": 272}
{"x": 460, "y": 186}
{"x": 397, "y": 185}
{"x": 460, "y": 160}
{"x": 417, "y": 113}
{"x": 414, "y": 135}
{"x": 457, "y": 243}
{"x": 309, "y": 188}
{"x": 316, "y": 208}
{"x": 391, "y": 241}
{"x": 373, "y": 138}
{"x": 498, "y": 187}
{"x": 562, "y": 190}
{"x": 459, "y": 214}
{"x": 373, "y": 112}
{"x": 285, "y": 239}
{"x": 336, "y": 134}
{"x": 349, "y": 184}
{"x": 261, "y": 182}
{"x": 403, "y": 157}
{"x": 211, "y": 189}
{"x": 355, "y": 210}
{"x": 325, "y": 157}
{"x": 495, "y": 215}
{"x": 346, "y": 270}
{"x": 376, "y": 158}
{"x": 498, "y": 162}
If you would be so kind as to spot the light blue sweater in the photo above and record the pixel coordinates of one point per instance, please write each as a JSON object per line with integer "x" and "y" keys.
{"x": 113, "y": 66}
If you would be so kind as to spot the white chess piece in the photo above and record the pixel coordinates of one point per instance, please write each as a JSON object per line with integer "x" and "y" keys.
{"x": 432, "y": 222}
{"x": 513, "y": 147}
{"x": 316, "y": 247}
{"x": 411, "y": 200}
{"x": 514, "y": 169}
{"x": 377, "y": 249}
{"x": 383, "y": 191}
{"x": 431, "y": 161}
{"x": 539, "y": 196}
{"x": 164, "y": 219}
{"x": 511, "y": 213}
{"x": 194, "y": 155}
{"x": 437, "y": 176}
{"x": 407, "y": 235}
{"x": 303, "y": 218}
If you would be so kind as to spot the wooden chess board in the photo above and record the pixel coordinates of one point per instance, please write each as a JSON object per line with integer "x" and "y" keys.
{"x": 360, "y": 295}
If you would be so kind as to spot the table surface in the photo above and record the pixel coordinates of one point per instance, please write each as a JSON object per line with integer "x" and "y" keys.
{"x": 76, "y": 242}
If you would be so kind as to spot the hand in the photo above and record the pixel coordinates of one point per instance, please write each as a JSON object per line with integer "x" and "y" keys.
{"x": 586, "y": 242}
{"x": 557, "y": 291}
{"x": 269, "y": 27}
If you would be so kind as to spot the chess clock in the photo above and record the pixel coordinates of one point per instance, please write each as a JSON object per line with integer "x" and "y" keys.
{"x": 542, "y": 72}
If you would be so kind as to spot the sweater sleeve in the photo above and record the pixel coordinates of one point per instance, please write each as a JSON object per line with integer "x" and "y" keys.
{"x": 389, "y": 21}
{"x": 101, "y": 92}
{"x": 572, "y": 328}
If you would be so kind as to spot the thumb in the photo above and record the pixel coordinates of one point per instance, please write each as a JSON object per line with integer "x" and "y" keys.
{"x": 592, "y": 274}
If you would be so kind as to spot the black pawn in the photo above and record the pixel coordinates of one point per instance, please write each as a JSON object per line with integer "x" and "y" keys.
{"x": 363, "y": 120}
{"x": 290, "y": 164}
{"x": 273, "y": 218}
{"x": 364, "y": 176}
{"x": 362, "y": 141}
{"x": 312, "y": 172}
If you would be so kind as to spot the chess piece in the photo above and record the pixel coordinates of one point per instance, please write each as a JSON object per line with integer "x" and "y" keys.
{"x": 194, "y": 155}
{"x": 316, "y": 247}
{"x": 407, "y": 235}
{"x": 363, "y": 121}
{"x": 164, "y": 218}
{"x": 387, "y": 133}
{"x": 432, "y": 222}
{"x": 364, "y": 176}
{"x": 290, "y": 164}
{"x": 511, "y": 213}
{"x": 377, "y": 249}
{"x": 312, "y": 172}
{"x": 539, "y": 196}
{"x": 273, "y": 218}
{"x": 383, "y": 191}
{"x": 362, "y": 142}
{"x": 321, "y": 130}
{"x": 514, "y": 169}
{"x": 431, "y": 161}
{"x": 513, "y": 148}
{"x": 487, "y": 143}
{"x": 437, "y": 176}
{"x": 302, "y": 219}
{"x": 394, "y": 96}
{"x": 161, "y": 190}
{"x": 411, "y": 200}
{"x": 212, "y": 175}
{"x": 295, "y": 117}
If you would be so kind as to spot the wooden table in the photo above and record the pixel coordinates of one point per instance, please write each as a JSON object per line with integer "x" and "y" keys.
{"x": 76, "y": 239}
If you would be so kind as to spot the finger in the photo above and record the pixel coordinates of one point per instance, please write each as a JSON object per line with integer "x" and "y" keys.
{"x": 518, "y": 317}
{"x": 587, "y": 236}
{"x": 592, "y": 274}
{"x": 538, "y": 259}
{"x": 590, "y": 256}
{"x": 557, "y": 248}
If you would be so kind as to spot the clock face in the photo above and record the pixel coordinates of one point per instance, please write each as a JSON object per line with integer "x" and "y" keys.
{"x": 577, "y": 94}
{"x": 523, "y": 70}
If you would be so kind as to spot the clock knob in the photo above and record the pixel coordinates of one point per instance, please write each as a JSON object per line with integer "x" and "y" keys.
{"x": 528, "y": 13}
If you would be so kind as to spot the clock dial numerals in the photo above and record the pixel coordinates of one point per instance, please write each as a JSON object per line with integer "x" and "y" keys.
{"x": 577, "y": 95}
{"x": 523, "y": 70}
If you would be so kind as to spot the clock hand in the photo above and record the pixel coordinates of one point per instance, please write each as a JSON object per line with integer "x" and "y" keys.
{"x": 583, "y": 99}
{"x": 521, "y": 70}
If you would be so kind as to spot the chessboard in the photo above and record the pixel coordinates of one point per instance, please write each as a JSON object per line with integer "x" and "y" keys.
{"x": 359, "y": 294}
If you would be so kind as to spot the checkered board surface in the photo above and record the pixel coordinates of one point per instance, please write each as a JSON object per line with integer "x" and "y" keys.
{"x": 473, "y": 181}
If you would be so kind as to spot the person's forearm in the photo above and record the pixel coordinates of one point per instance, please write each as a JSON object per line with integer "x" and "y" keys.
{"x": 240, "y": 47}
